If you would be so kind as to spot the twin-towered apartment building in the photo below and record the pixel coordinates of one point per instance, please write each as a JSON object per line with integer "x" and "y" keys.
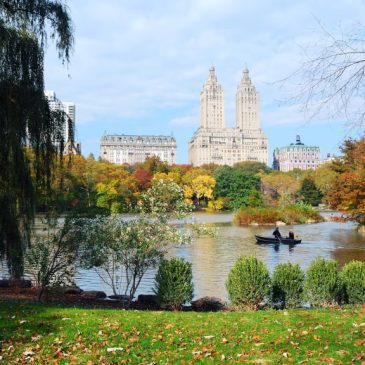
{"x": 213, "y": 142}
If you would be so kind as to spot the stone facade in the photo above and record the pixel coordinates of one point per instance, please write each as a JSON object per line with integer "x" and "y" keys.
{"x": 132, "y": 149}
{"x": 296, "y": 156}
{"x": 213, "y": 142}
{"x": 71, "y": 146}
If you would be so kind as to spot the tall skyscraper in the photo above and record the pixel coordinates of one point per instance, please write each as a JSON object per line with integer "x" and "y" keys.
{"x": 212, "y": 103}
{"x": 247, "y": 105}
{"x": 213, "y": 142}
{"x": 71, "y": 147}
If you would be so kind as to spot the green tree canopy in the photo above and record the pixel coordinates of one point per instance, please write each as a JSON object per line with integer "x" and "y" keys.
{"x": 25, "y": 116}
{"x": 251, "y": 167}
{"x": 241, "y": 188}
{"x": 309, "y": 192}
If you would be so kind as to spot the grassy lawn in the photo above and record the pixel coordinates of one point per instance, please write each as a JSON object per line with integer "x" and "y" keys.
{"x": 38, "y": 334}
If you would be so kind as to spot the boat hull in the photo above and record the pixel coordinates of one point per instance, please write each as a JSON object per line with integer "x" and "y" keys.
{"x": 273, "y": 240}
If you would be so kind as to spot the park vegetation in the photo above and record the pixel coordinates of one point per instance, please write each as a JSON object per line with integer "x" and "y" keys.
{"x": 26, "y": 118}
{"x": 87, "y": 186}
{"x": 90, "y": 186}
{"x": 41, "y": 334}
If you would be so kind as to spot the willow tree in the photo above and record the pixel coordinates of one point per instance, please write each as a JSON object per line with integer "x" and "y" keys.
{"x": 26, "y": 121}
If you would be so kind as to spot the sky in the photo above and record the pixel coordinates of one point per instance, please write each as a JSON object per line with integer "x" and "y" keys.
{"x": 138, "y": 66}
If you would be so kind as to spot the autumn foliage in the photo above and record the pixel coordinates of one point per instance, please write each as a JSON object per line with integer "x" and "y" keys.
{"x": 348, "y": 193}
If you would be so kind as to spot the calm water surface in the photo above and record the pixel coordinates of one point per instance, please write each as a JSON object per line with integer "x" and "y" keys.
{"x": 212, "y": 258}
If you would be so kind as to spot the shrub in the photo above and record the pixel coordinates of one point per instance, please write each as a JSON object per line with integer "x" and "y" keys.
{"x": 288, "y": 285}
{"x": 51, "y": 258}
{"x": 174, "y": 283}
{"x": 290, "y": 214}
{"x": 246, "y": 216}
{"x": 353, "y": 280}
{"x": 248, "y": 283}
{"x": 322, "y": 285}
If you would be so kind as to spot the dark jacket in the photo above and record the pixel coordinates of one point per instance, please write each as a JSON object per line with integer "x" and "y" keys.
{"x": 277, "y": 233}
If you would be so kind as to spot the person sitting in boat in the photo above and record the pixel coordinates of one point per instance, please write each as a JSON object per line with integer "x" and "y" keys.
{"x": 277, "y": 233}
{"x": 291, "y": 235}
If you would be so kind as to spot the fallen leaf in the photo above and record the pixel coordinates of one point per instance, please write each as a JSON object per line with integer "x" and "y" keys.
{"x": 113, "y": 349}
{"x": 359, "y": 342}
{"x": 28, "y": 353}
{"x": 36, "y": 337}
{"x": 359, "y": 325}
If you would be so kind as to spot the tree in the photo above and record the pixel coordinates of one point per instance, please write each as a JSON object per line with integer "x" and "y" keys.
{"x": 241, "y": 188}
{"x": 174, "y": 176}
{"x": 120, "y": 251}
{"x": 280, "y": 186}
{"x": 348, "y": 193}
{"x": 333, "y": 77}
{"x": 143, "y": 178}
{"x": 324, "y": 177}
{"x": 52, "y": 257}
{"x": 201, "y": 188}
{"x": 251, "y": 167}
{"x": 309, "y": 192}
{"x": 154, "y": 164}
{"x": 25, "y": 116}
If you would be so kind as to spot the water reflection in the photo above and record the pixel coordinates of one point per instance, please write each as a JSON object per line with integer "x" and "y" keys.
{"x": 212, "y": 258}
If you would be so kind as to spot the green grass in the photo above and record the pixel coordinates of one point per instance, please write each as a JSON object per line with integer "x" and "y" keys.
{"x": 53, "y": 335}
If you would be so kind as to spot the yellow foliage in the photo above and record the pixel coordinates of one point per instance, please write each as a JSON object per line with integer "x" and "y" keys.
{"x": 203, "y": 186}
{"x": 166, "y": 177}
{"x": 217, "y": 204}
{"x": 188, "y": 192}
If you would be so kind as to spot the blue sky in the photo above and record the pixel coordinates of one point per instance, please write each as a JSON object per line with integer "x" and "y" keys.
{"x": 138, "y": 66}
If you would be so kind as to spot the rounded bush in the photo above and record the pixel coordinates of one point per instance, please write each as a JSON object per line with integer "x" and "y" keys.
{"x": 248, "y": 283}
{"x": 288, "y": 285}
{"x": 174, "y": 283}
{"x": 353, "y": 281}
{"x": 322, "y": 285}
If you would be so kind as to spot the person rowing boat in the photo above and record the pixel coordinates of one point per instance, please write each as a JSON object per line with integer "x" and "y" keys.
{"x": 277, "y": 234}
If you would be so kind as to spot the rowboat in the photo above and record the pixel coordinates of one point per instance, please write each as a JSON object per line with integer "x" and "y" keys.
{"x": 274, "y": 240}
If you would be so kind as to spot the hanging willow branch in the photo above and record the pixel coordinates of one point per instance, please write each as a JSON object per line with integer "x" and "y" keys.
{"x": 26, "y": 120}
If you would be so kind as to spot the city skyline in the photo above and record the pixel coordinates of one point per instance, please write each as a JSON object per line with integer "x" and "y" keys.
{"x": 141, "y": 69}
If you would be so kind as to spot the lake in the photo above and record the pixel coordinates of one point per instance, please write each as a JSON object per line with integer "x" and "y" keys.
{"x": 212, "y": 258}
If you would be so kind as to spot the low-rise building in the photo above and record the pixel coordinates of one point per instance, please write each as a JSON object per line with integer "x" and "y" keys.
{"x": 296, "y": 156}
{"x": 131, "y": 149}
{"x": 329, "y": 158}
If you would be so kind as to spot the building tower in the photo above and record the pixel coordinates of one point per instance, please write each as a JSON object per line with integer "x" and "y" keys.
{"x": 247, "y": 105}
{"x": 71, "y": 146}
{"x": 69, "y": 109}
{"x": 212, "y": 103}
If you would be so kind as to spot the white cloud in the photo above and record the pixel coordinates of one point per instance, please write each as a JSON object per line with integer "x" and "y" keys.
{"x": 134, "y": 59}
